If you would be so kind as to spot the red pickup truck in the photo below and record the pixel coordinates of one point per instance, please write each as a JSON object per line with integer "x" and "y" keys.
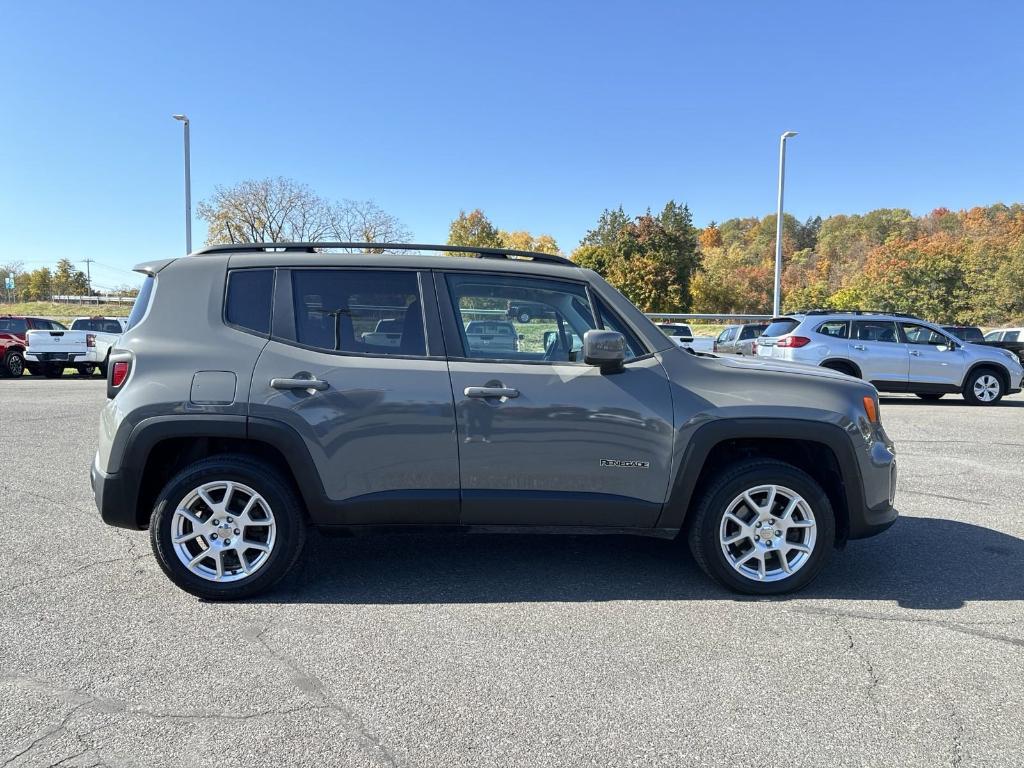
{"x": 12, "y": 342}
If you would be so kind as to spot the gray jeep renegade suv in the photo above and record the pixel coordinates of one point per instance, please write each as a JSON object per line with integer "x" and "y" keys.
{"x": 253, "y": 393}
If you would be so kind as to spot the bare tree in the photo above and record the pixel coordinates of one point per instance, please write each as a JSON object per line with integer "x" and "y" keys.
{"x": 282, "y": 210}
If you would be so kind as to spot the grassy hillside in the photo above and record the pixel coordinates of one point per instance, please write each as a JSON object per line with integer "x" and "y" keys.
{"x": 60, "y": 312}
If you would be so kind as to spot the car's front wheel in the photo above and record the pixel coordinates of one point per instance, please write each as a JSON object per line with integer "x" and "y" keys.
{"x": 762, "y": 527}
{"x": 983, "y": 387}
{"x": 227, "y": 527}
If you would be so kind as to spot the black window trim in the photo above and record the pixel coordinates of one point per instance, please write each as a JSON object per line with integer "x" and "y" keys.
{"x": 283, "y": 318}
{"x": 224, "y": 303}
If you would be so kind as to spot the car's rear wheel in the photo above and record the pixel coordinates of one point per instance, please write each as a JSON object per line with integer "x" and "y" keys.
{"x": 87, "y": 369}
{"x": 929, "y": 396}
{"x": 227, "y": 527}
{"x": 838, "y": 365}
{"x": 983, "y": 387}
{"x": 762, "y": 527}
{"x": 13, "y": 364}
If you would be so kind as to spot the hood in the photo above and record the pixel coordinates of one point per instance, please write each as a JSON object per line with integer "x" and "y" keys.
{"x": 780, "y": 366}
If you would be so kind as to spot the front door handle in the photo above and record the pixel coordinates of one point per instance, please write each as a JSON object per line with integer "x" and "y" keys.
{"x": 301, "y": 383}
{"x": 915, "y": 353}
{"x": 490, "y": 392}
{"x": 860, "y": 347}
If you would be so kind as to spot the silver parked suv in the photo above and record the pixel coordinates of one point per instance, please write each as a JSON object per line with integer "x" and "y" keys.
{"x": 261, "y": 388}
{"x": 895, "y": 352}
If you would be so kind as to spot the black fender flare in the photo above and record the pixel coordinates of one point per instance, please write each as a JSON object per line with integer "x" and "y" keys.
{"x": 707, "y": 436}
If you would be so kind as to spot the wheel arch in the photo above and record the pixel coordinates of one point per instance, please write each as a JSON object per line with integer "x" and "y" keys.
{"x": 997, "y": 368}
{"x": 820, "y": 449}
{"x": 839, "y": 363}
{"x": 159, "y": 448}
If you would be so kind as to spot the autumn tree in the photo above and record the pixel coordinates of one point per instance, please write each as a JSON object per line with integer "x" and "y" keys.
{"x": 473, "y": 229}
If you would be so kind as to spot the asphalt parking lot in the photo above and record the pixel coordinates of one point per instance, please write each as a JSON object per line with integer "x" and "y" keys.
{"x": 516, "y": 650}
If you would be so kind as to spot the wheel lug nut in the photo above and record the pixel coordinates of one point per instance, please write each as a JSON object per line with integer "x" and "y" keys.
{"x": 213, "y": 535}
{"x": 236, "y": 531}
{"x": 230, "y": 520}
{"x": 227, "y": 541}
{"x": 216, "y": 521}
{"x": 778, "y": 533}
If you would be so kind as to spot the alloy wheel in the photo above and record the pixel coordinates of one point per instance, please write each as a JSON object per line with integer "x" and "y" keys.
{"x": 986, "y": 388}
{"x": 768, "y": 533}
{"x": 223, "y": 531}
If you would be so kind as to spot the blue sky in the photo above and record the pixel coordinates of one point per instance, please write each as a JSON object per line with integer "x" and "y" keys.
{"x": 542, "y": 114}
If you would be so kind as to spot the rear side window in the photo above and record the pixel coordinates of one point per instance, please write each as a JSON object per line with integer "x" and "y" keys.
{"x": 876, "y": 330}
{"x": 780, "y": 327}
{"x": 1012, "y": 336}
{"x": 141, "y": 302}
{"x": 250, "y": 298}
{"x": 359, "y": 311}
{"x": 839, "y": 329}
{"x": 751, "y": 331}
{"x": 98, "y": 324}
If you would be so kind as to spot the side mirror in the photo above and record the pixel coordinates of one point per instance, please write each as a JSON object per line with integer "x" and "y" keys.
{"x": 605, "y": 349}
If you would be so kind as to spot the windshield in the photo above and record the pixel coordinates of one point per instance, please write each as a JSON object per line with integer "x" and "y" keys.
{"x": 101, "y": 324}
{"x": 141, "y": 302}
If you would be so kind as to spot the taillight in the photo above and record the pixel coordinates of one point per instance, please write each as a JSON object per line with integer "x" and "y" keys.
{"x": 793, "y": 341}
{"x": 119, "y": 373}
{"x": 90, "y": 339}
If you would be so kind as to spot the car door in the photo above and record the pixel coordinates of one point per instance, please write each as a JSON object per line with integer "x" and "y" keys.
{"x": 879, "y": 352}
{"x": 545, "y": 439}
{"x": 935, "y": 360}
{"x": 376, "y": 414}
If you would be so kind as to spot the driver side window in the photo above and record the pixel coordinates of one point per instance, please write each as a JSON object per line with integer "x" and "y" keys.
{"x": 919, "y": 334}
{"x": 504, "y": 317}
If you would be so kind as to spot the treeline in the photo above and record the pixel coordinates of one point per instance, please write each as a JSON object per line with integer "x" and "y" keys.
{"x": 42, "y": 284}
{"x": 964, "y": 266}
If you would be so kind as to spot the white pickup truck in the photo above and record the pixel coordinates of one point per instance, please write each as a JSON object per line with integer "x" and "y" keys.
{"x": 84, "y": 347}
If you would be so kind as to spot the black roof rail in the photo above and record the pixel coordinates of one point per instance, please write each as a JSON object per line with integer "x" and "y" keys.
{"x": 856, "y": 312}
{"x": 485, "y": 253}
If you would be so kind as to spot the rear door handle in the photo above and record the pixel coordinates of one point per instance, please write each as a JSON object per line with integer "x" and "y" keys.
{"x": 915, "y": 353}
{"x": 490, "y": 392}
{"x": 310, "y": 383}
{"x": 860, "y": 347}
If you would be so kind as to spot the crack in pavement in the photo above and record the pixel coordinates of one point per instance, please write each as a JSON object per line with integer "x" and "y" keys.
{"x": 81, "y": 700}
{"x": 961, "y": 627}
{"x": 852, "y": 647}
{"x": 312, "y": 686}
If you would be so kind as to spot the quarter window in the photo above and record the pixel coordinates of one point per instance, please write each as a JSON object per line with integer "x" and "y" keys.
{"x": 1011, "y": 336}
{"x": 250, "y": 297}
{"x": 359, "y": 311}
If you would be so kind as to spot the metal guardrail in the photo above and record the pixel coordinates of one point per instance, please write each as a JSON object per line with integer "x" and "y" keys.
{"x": 704, "y": 316}
{"x": 93, "y": 299}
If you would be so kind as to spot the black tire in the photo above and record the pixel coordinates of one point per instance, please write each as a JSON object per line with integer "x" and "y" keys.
{"x": 931, "y": 397}
{"x": 53, "y": 370}
{"x": 731, "y": 482}
{"x": 973, "y": 380}
{"x": 87, "y": 369}
{"x": 14, "y": 364}
{"x": 287, "y": 510}
{"x": 34, "y": 369}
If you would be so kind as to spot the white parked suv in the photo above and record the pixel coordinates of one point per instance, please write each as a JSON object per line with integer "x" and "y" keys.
{"x": 895, "y": 352}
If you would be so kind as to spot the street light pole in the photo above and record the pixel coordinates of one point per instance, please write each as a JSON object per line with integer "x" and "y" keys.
{"x": 777, "y": 302}
{"x": 188, "y": 186}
